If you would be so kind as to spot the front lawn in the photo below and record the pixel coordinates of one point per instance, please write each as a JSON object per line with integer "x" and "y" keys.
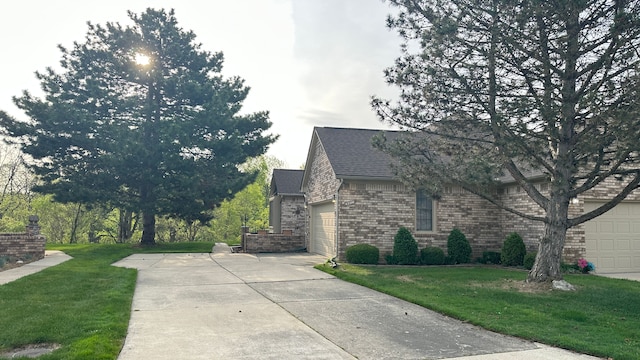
{"x": 601, "y": 318}
{"x": 83, "y": 304}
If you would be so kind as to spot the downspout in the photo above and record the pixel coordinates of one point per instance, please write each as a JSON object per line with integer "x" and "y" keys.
{"x": 337, "y": 198}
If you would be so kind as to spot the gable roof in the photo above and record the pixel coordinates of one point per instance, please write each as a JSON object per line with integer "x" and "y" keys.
{"x": 351, "y": 154}
{"x": 286, "y": 182}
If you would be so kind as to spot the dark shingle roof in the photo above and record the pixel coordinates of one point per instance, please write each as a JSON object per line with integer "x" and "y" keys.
{"x": 351, "y": 154}
{"x": 286, "y": 182}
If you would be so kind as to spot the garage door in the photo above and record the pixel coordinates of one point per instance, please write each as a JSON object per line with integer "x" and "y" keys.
{"x": 323, "y": 229}
{"x": 613, "y": 239}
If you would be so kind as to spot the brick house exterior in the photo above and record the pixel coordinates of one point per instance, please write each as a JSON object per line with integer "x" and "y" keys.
{"x": 286, "y": 202}
{"x": 352, "y": 197}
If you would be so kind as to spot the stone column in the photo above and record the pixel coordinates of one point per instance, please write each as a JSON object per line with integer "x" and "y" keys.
{"x": 33, "y": 228}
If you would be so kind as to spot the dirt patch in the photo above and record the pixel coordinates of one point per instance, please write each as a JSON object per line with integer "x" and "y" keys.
{"x": 405, "y": 279}
{"x": 515, "y": 285}
{"x": 529, "y": 287}
{"x": 31, "y": 350}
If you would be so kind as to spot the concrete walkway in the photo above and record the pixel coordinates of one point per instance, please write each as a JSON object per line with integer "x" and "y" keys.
{"x": 241, "y": 306}
{"x": 51, "y": 258}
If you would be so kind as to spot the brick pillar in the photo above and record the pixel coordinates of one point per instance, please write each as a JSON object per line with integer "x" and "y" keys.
{"x": 33, "y": 228}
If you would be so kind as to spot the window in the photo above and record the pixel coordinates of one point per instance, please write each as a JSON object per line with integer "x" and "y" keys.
{"x": 424, "y": 211}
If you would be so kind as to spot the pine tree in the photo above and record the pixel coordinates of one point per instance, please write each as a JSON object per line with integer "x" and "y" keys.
{"x": 525, "y": 87}
{"x": 141, "y": 119}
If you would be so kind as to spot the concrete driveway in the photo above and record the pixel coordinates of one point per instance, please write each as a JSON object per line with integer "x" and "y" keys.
{"x": 241, "y": 306}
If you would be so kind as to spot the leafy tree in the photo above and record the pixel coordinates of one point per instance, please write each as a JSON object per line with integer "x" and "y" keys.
{"x": 65, "y": 222}
{"x": 525, "y": 87}
{"x": 141, "y": 119}
{"x": 250, "y": 204}
{"x": 16, "y": 181}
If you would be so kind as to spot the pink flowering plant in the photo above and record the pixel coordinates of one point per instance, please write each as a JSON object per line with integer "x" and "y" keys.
{"x": 585, "y": 266}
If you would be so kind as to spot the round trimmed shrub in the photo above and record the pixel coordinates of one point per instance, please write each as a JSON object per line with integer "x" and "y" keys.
{"x": 363, "y": 254}
{"x": 529, "y": 259}
{"x": 490, "y": 257}
{"x": 405, "y": 248}
{"x": 513, "y": 250}
{"x": 458, "y": 247}
{"x": 432, "y": 255}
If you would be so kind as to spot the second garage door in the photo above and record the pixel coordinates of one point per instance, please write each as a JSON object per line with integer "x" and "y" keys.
{"x": 323, "y": 229}
{"x": 613, "y": 238}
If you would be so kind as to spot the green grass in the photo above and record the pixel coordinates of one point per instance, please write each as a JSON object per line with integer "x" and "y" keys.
{"x": 601, "y": 318}
{"x": 82, "y": 304}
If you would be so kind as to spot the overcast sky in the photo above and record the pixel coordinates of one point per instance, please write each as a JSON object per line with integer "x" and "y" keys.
{"x": 309, "y": 62}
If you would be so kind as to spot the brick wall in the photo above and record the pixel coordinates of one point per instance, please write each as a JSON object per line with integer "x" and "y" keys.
{"x": 29, "y": 244}
{"x": 272, "y": 243}
{"x": 532, "y": 231}
{"x": 321, "y": 184}
{"x": 372, "y": 212}
{"x": 292, "y": 214}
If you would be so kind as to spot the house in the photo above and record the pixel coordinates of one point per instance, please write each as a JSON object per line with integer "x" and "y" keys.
{"x": 286, "y": 217}
{"x": 286, "y": 202}
{"x": 352, "y": 197}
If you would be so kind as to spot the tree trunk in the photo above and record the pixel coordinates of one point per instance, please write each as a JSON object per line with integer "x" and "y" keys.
{"x": 126, "y": 225}
{"x": 148, "y": 229}
{"x": 73, "y": 237}
{"x": 547, "y": 264}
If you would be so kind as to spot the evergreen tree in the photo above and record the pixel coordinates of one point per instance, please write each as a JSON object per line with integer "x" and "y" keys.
{"x": 140, "y": 118}
{"x": 545, "y": 87}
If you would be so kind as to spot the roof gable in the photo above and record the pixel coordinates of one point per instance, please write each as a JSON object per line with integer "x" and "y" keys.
{"x": 351, "y": 154}
{"x": 286, "y": 182}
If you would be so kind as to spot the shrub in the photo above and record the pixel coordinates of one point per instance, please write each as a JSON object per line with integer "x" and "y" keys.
{"x": 363, "y": 254}
{"x": 529, "y": 259}
{"x": 458, "y": 247}
{"x": 513, "y": 250}
{"x": 432, "y": 255}
{"x": 390, "y": 260}
{"x": 490, "y": 257}
{"x": 405, "y": 247}
{"x": 569, "y": 268}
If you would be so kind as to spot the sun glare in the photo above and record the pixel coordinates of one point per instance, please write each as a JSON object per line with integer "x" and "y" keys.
{"x": 142, "y": 59}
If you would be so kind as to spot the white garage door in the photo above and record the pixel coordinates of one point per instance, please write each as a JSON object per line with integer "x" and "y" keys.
{"x": 613, "y": 239}
{"x": 323, "y": 229}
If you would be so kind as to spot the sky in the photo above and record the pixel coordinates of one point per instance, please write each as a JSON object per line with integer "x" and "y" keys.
{"x": 308, "y": 62}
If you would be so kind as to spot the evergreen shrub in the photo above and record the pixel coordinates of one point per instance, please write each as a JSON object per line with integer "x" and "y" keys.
{"x": 490, "y": 257}
{"x": 432, "y": 255}
{"x": 390, "y": 260}
{"x": 513, "y": 250}
{"x": 458, "y": 247}
{"x": 363, "y": 254}
{"x": 448, "y": 260}
{"x": 529, "y": 259}
{"x": 405, "y": 247}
